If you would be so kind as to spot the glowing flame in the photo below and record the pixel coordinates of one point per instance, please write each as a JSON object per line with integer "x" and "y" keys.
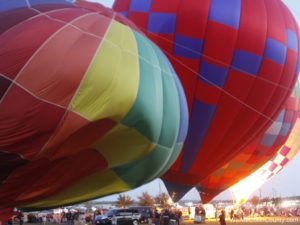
{"x": 243, "y": 189}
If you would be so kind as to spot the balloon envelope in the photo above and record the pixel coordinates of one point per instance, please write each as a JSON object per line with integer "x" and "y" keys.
{"x": 278, "y": 139}
{"x": 238, "y": 61}
{"x": 83, "y": 95}
{"x": 285, "y": 154}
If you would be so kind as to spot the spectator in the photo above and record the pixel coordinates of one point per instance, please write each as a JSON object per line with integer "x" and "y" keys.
{"x": 165, "y": 217}
{"x": 222, "y": 218}
{"x": 172, "y": 218}
{"x": 114, "y": 220}
{"x": 179, "y": 218}
{"x": 69, "y": 217}
{"x": 231, "y": 214}
{"x": 20, "y": 216}
{"x": 157, "y": 217}
{"x": 44, "y": 219}
{"x": 203, "y": 214}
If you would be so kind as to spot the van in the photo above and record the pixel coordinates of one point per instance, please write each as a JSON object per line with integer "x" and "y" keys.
{"x": 145, "y": 211}
{"x": 124, "y": 217}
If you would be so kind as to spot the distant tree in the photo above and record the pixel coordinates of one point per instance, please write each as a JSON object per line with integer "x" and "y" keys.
{"x": 265, "y": 200}
{"x": 162, "y": 200}
{"x": 146, "y": 200}
{"x": 276, "y": 201}
{"x": 254, "y": 200}
{"x": 124, "y": 201}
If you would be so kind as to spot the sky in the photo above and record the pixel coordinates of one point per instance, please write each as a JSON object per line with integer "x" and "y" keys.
{"x": 286, "y": 183}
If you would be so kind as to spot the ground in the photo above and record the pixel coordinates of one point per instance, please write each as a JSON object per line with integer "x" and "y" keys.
{"x": 250, "y": 221}
{"x": 257, "y": 221}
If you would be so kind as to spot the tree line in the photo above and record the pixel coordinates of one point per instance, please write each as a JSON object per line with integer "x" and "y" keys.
{"x": 145, "y": 199}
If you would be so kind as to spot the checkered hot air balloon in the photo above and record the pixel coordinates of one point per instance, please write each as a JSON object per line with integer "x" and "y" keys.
{"x": 284, "y": 155}
{"x": 238, "y": 61}
{"x": 274, "y": 145}
{"x": 82, "y": 97}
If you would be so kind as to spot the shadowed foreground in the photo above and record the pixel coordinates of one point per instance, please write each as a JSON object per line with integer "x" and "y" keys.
{"x": 257, "y": 221}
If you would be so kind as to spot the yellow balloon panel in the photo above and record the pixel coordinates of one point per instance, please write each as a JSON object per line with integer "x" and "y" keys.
{"x": 114, "y": 72}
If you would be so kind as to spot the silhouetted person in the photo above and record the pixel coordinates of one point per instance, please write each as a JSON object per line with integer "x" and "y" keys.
{"x": 232, "y": 214}
{"x": 157, "y": 217}
{"x": 222, "y": 218}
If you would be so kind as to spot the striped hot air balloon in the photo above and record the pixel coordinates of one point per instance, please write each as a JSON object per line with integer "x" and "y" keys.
{"x": 82, "y": 96}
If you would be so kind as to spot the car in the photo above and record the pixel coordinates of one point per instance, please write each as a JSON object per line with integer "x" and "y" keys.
{"x": 145, "y": 212}
{"x": 124, "y": 217}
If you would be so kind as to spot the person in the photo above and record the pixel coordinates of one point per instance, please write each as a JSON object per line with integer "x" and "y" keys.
{"x": 157, "y": 217}
{"x": 203, "y": 214}
{"x": 88, "y": 219}
{"x": 172, "y": 217}
{"x": 69, "y": 217}
{"x": 241, "y": 214}
{"x": 197, "y": 211}
{"x": 179, "y": 217}
{"x": 114, "y": 220}
{"x": 44, "y": 219}
{"x": 150, "y": 217}
{"x": 10, "y": 222}
{"x": 216, "y": 214}
{"x": 222, "y": 218}
{"x": 20, "y": 216}
{"x": 165, "y": 217}
{"x": 231, "y": 215}
{"x": 197, "y": 218}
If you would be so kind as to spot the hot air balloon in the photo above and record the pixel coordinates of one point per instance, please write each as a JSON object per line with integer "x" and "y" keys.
{"x": 237, "y": 60}
{"x": 273, "y": 142}
{"x": 285, "y": 154}
{"x": 82, "y": 95}
{"x": 251, "y": 158}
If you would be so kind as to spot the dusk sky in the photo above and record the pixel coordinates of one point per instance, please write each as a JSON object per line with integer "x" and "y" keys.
{"x": 286, "y": 183}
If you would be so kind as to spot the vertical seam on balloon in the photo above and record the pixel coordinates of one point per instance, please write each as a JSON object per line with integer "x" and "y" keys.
{"x": 286, "y": 55}
{"x": 296, "y": 26}
{"x": 281, "y": 76}
{"x": 229, "y": 68}
{"x": 138, "y": 70}
{"x": 284, "y": 8}
{"x": 78, "y": 88}
{"x": 162, "y": 122}
{"x": 280, "y": 6}
{"x": 244, "y": 102}
{"x": 264, "y": 4}
{"x": 198, "y": 75}
{"x": 28, "y": 3}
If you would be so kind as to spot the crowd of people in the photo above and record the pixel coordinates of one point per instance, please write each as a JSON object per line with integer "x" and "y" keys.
{"x": 69, "y": 218}
{"x": 168, "y": 217}
{"x": 242, "y": 212}
{"x": 165, "y": 216}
